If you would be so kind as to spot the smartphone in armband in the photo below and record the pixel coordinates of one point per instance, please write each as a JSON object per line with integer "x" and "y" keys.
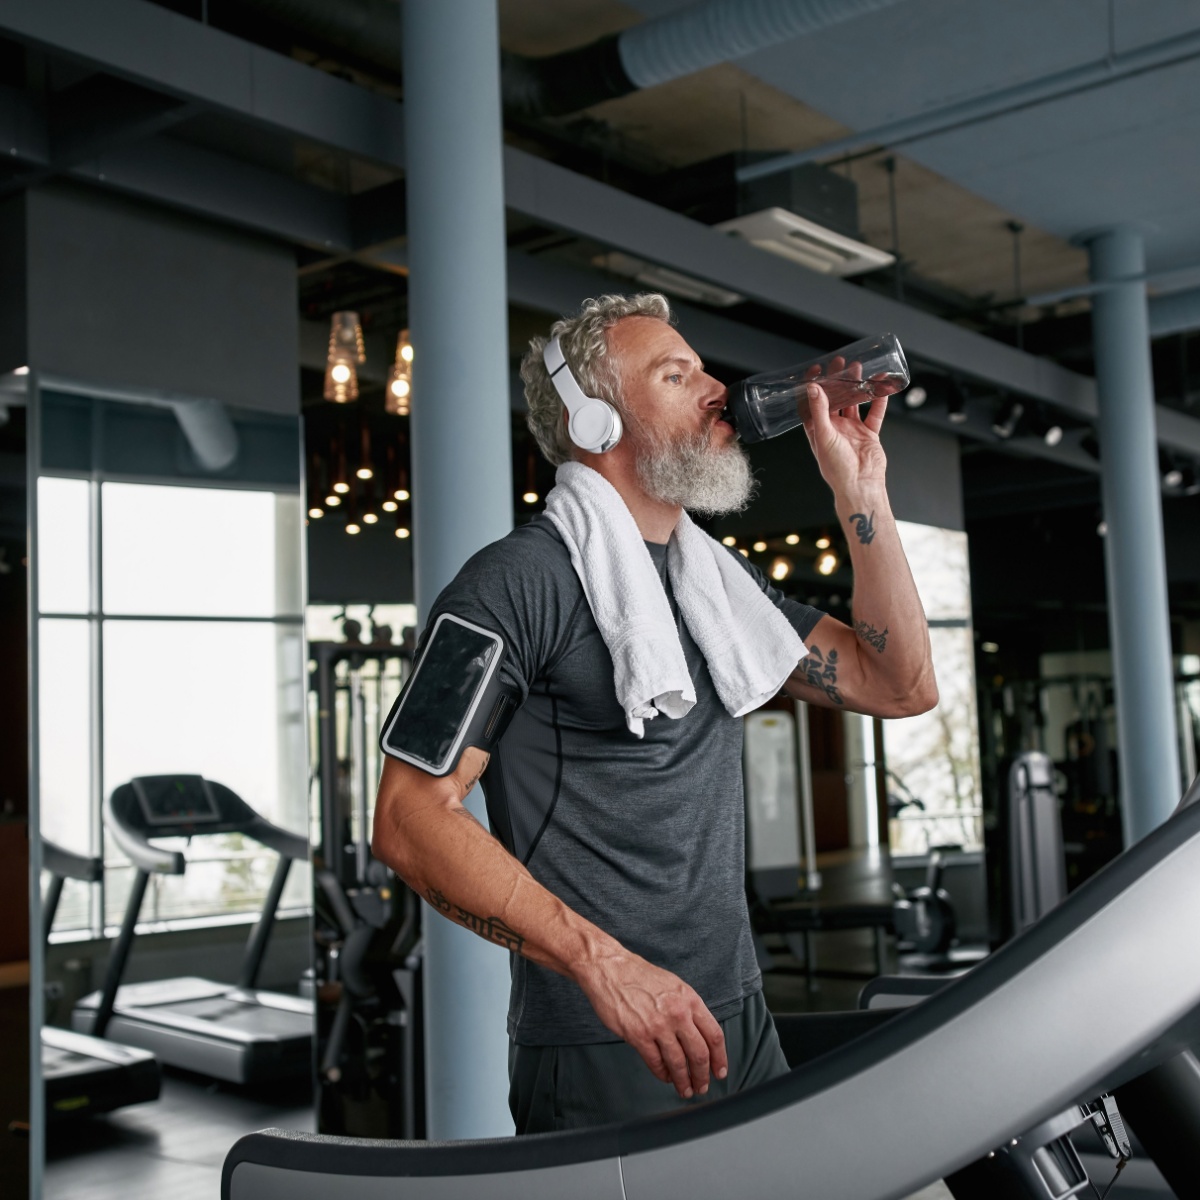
{"x": 452, "y": 700}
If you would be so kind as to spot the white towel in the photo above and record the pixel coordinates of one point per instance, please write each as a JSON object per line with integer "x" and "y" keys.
{"x": 749, "y": 645}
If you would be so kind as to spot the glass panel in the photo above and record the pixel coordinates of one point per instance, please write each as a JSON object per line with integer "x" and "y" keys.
{"x": 62, "y": 545}
{"x": 221, "y": 700}
{"x": 205, "y": 552}
{"x": 64, "y": 733}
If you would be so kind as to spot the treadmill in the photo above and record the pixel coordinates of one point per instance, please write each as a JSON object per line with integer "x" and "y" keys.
{"x": 82, "y": 1075}
{"x": 233, "y": 1032}
{"x": 1101, "y": 994}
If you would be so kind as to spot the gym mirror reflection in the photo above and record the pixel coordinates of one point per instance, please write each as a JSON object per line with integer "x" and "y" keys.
{"x": 170, "y": 770}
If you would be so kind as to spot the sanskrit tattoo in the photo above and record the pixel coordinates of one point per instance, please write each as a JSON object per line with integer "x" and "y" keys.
{"x": 872, "y": 636}
{"x": 864, "y": 526}
{"x": 820, "y": 673}
{"x": 491, "y": 929}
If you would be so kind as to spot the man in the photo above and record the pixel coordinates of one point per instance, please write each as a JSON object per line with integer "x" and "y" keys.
{"x": 616, "y": 873}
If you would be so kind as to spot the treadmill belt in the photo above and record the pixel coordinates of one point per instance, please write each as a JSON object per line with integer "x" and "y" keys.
{"x": 245, "y": 1018}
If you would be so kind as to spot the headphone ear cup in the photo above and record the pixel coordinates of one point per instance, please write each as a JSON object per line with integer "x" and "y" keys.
{"x": 596, "y": 427}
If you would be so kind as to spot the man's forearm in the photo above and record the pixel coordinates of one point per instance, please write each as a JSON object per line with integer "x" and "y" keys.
{"x": 891, "y": 632}
{"x": 451, "y": 861}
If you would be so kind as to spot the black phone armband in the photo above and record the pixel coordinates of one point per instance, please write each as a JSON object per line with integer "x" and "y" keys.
{"x": 453, "y": 699}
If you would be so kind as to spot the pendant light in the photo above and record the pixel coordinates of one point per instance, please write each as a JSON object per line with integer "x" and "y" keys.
{"x": 346, "y": 353}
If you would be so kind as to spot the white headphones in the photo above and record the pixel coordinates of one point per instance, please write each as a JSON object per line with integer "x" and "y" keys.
{"x": 594, "y": 424}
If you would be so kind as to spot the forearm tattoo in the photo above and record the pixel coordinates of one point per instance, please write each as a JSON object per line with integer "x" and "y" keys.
{"x": 820, "y": 673}
{"x": 872, "y": 636}
{"x": 864, "y": 526}
{"x": 491, "y": 929}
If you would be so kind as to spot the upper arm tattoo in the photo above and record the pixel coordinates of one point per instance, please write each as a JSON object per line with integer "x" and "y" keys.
{"x": 820, "y": 673}
{"x": 864, "y": 526}
{"x": 872, "y": 636}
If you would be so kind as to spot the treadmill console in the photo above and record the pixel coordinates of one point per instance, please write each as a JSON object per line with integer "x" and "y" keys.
{"x": 175, "y": 800}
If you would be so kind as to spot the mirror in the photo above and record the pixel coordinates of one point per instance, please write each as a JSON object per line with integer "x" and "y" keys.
{"x": 170, "y": 771}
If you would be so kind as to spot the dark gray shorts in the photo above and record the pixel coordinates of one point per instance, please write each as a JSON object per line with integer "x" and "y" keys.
{"x": 570, "y": 1087}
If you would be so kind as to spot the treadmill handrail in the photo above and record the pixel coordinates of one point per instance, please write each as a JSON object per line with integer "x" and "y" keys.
{"x": 292, "y": 846}
{"x": 1079, "y": 926}
{"x": 138, "y": 848}
{"x": 67, "y": 864}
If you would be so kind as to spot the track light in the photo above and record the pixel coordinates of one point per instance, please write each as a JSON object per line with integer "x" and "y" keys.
{"x": 956, "y": 404}
{"x": 915, "y": 396}
{"x": 1008, "y": 418}
{"x": 346, "y": 352}
{"x": 1045, "y": 427}
{"x": 827, "y": 562}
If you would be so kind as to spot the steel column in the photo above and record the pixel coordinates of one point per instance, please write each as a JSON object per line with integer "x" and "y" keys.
{"x": 462, "y": 474}
{"x": 1135, "y": 558}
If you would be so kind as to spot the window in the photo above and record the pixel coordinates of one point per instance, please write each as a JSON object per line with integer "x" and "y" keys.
{"x": 170, "y": 639}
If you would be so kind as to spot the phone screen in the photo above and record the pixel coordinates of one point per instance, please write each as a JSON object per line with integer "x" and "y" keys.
{"x": 442, "y": 692}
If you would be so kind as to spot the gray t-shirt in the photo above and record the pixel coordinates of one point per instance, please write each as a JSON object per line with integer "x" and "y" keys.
{"x": 643, "y": 837}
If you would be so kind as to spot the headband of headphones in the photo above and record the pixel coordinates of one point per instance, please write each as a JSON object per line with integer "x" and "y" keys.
{"x": 593, "y": 424}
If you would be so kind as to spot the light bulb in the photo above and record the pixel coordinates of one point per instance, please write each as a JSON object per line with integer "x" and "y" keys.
{"x": 364, "y": 473}
{"x": 530, "y": 497}
{"x": 406, "y": 352}
{"x": 729, "y": 540}
{"x": 781, "y": 568}
{"x": 389, "y": 506}
{"x": 792, "y": 539}
{"x": 370, "y": 518}
{"x": 915, "y": 397}
{"x": 827, "y": 562}
{"x": 316, "y": 512}
{"x": 401, "y": 493}
{"x": 353, "y": 528}
{"x": 401, "y": 388}
{"x": 759, "y": 547}
{"x": 340, "y": 373}
{"x": 744, "y": 552}
{"x": 402, "y": 532}
{"x": 341, "y": 488}
{"x": 822, "y": 543}
{"x": 332, "y": 500}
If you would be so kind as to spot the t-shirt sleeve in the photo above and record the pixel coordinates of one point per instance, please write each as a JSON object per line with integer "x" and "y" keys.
{"x": 506, "y": 590}
{"x": 803, "y": 617}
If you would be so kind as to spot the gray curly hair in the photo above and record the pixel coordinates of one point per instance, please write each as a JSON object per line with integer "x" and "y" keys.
{"x": 585, "y": 347}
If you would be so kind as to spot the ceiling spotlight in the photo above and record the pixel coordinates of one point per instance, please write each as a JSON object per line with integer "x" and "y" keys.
{"x": 956, "y": 405}
{"x": 823, "y": 543}
{"x": 389, "y": 506}
{"x": 827, "y": 562}
{"x": 316, "y": 512}
{"x": 1172, "y": 478}
{"x": 346, "y": 353}
{"x": 781, "y": 568}
{"x": 1008, "y": 418}
{"x": 530, "y": 497}
{"x": 1052, "y": 434}
{"x": 353, "y": 527}
{"x": 370, "y": 518}
{"x": 332, "y": 500}
{"x": 792, "y": 539}
{"x": 729, "y": 540}
{"x": 759, "y": 546}
{"x": 915, "y": 396}
{"x": 402, "y": 532}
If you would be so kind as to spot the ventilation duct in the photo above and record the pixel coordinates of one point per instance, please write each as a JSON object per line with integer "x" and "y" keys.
{"x": 656, "y": 51}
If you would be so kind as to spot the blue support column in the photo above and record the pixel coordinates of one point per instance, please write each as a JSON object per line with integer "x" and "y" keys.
{"x": 462, "y": 474}
{"x": 1135, "y": 558}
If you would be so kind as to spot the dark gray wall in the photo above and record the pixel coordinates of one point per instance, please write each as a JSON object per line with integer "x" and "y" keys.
{"x": 125, "y": 294}
{"x": 924, "y": 482}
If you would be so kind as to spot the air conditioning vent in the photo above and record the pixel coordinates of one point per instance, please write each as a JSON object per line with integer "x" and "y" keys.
{"x": 805, "y": 242}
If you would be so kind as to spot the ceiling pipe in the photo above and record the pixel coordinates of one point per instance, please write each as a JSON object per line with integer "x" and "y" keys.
{"x": 653, "y": 52}
{"x": 993, "y": 104}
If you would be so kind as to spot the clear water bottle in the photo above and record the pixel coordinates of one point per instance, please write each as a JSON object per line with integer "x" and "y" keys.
{"x": 764, "y": 406}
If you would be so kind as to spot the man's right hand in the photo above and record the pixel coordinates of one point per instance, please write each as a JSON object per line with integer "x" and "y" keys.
{"x": 661, "y": 1017}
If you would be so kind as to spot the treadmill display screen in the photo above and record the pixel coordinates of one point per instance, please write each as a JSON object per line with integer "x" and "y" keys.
{"x": 175, "y": 800}
{"x": 443, "y": 693}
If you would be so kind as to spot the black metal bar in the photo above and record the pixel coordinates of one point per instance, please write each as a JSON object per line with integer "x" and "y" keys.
{"x": 331, "y": 831}
{"x": 119, "y": 955}
{"x": 50, "y": 905}
{"x": 256, "y": 948}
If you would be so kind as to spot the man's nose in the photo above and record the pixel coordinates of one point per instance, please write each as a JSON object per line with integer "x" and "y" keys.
{"x": 715, "y": 393}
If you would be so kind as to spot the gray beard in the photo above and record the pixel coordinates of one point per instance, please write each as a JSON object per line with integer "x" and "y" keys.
{"x": 693, "y": 473}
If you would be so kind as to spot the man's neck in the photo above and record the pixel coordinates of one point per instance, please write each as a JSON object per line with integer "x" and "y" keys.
{"x": 655, "y": 519}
